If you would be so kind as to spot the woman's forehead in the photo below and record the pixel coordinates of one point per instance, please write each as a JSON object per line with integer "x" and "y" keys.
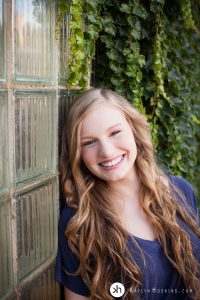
{"x": 102, "y": 117}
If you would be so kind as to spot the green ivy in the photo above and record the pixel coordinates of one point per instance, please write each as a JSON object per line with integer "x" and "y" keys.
{"x": 84, "y": 30}
{"x": 148, "y": 51}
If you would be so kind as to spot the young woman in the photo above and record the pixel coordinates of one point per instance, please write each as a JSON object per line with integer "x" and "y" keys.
{"x": 125, "y": 221}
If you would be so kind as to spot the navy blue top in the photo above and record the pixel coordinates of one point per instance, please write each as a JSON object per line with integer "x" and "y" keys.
{"x": 160, "y": 280}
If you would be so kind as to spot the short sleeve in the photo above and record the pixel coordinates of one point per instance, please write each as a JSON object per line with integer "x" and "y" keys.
{"x": 186, "y": 188}
{"x": 67, "y": 260}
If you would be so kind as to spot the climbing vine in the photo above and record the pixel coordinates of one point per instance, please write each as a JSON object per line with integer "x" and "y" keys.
{"x": 84, "y": 31}
{"x": 148, "y": 51}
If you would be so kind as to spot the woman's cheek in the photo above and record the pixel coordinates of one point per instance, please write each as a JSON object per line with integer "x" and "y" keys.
{"x": 88, "y": 155}
{"x": 123, "y": 141}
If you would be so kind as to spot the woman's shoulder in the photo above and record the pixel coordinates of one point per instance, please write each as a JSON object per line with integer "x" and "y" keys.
{"x": 180, "y": 182}
{"x": 186, "y": 189}
{"x": 65, "y": 216}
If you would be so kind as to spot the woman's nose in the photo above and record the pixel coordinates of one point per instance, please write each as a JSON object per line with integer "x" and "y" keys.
{"x": 106, "y": 149}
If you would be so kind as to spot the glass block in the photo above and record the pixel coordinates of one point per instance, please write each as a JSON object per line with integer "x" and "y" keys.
{"x": 35, "y": 134}
{"x": 2, "y": 39}
{"x": 3, "y": 143}
{"x": 64, "y": 48}
{"x": 37, "y": 218}
{"x": 5, "y": 248}
{"x": 65, "y": 99}
{"x": 12, "y": 296}
{"x": 43, "y": 287}
{"x": 34, "y": 46}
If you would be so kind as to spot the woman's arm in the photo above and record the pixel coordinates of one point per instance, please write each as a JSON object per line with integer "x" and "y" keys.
{"x": 69, "y": 295}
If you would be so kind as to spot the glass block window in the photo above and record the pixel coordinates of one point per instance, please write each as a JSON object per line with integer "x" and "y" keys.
{"x": 3, "y": 143}
{"x": 35, "y": 135}
{"x": 2, "y": 41}
{"x": 5, "y": 248}
{"x": 34, "y": 49}
{"x": 44, "y": 287}
{"x": 37, "y": 215}
{"x": 29, "y": 186}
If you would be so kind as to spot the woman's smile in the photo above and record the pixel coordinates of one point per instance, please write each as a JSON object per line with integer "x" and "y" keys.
{"x": 112, "y": 164}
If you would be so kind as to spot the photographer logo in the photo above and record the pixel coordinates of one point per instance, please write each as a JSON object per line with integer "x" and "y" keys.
{"x": 117, "y": 289}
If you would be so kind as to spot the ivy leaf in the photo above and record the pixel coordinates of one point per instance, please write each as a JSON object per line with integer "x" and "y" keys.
{"x": 74, "y": 25}
{"x": 119, "y": 45}
{"x": 195, "y": 119}
{"x": 80, "y": 55}
{"x": 80, "y": 41}
{"x": 125, "y": 8}
{"x": 132, "y": 20}
{"x": 75, "y": 11}
{"x": 90, "y": 49}
{"x": 91, "y": 18}
{"x": 92, "y": 3}
{"x": 107, "y": 20}
{"x": 156, "y": 5}
{"x": 92, "y": 32}
{"x": 107, "y": 40}
{"x": 129, "y": 73}
{"x": 141, "y": 60}
{"x": 130, "y": 59}
{"x": 134, "y": 46}
{"x": 139, "y": 76}
{"x": 136, "y": 34}
{"x": 126, "y": 51}
{"x": 110, "y": 30}
{"x": 115, "y": 66}
{"x": 114, "y": 81}
{"x": 140, "y": 11}
{"x": 113, "y": 54}
{"x": 117, "y": 81}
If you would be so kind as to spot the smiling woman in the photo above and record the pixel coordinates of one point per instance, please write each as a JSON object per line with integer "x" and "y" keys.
{"x": 125, "y": 220}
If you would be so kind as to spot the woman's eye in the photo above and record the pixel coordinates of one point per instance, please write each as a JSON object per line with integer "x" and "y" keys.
{"x": 88, "y": 143}
{"x": 115, "y": 132}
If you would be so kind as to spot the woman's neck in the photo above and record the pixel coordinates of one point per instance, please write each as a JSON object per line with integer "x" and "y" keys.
{"x": 127, "y": 206}
{"x": 126, "y": 193}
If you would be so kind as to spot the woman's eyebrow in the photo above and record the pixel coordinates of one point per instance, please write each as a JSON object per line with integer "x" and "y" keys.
{"x": 89, "y": 137}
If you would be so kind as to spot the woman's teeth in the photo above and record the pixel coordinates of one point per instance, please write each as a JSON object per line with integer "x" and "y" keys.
{"x": 112, "y": 162}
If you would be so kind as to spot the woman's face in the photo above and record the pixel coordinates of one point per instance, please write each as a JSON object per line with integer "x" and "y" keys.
{"x": 108, "y": 147}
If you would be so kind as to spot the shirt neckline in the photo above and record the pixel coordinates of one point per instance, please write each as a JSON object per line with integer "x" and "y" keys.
{"x": 144, "y": 240}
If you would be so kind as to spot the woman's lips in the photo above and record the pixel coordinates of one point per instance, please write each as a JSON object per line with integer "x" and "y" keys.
{"x": 112, "y": 164}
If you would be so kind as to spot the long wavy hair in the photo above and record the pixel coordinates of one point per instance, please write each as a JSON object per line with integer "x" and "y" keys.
{"x": 95, "y": 233}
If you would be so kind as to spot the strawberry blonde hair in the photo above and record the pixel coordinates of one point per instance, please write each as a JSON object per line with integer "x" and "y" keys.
{"x": 95, "y": 234}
